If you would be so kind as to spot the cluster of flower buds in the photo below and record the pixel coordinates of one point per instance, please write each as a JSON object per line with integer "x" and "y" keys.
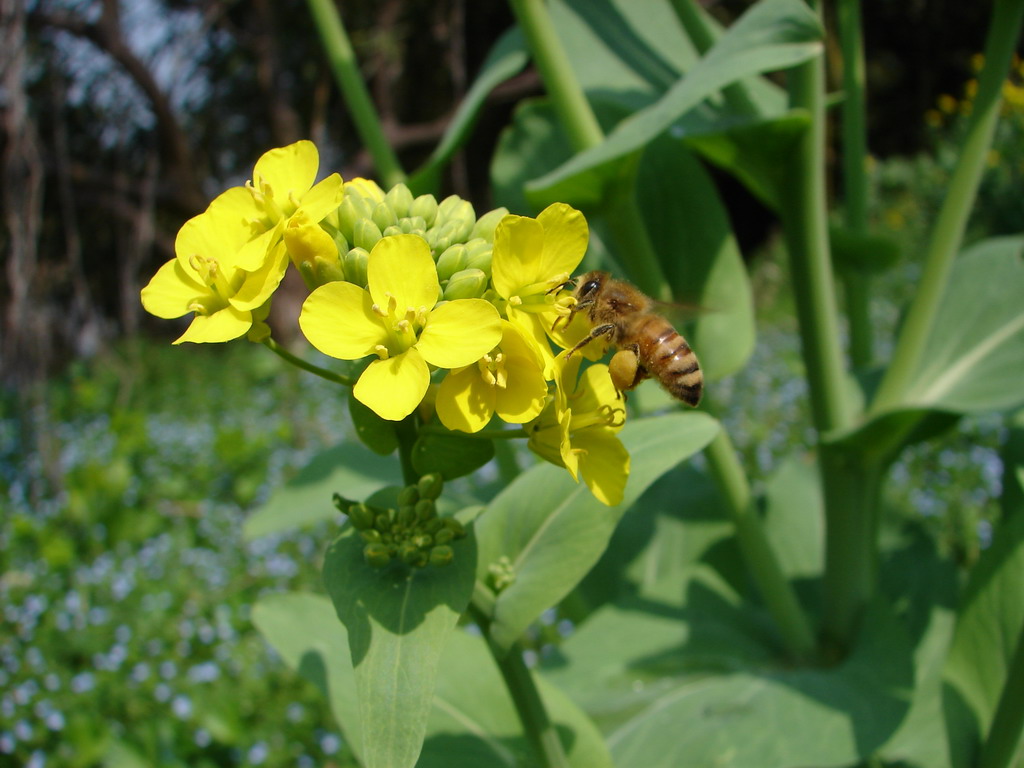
{"x": 460, "y": 243}
{"x": 413, "y": 533}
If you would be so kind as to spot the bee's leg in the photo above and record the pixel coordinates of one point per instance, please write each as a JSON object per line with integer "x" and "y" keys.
{"x": 595, "y": 332}
{"x": 572, "y": 313}
{"x": 625, "y": 369}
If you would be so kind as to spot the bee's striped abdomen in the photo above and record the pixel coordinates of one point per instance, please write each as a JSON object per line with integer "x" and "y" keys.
{"x": 667, "y": 356}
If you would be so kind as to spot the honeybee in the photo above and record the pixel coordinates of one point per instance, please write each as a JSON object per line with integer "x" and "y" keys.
{"x": 647, "y": 344}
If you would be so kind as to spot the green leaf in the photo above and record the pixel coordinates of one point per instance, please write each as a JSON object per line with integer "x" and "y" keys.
{"x": 452, "y": 455}
{"x": 376, "y": 433}
{"x": 794, "y": 518}
{"x": 506, "y": 58}
{"x": 398, "y": 621}
{"x": 474, "y": 722}
{"x": 304, "y": 629}
{"x": 750, "y": 151}
{"x": 645, "y": 672}
{"x": 989, "y": 625}
{"x": 973, "y": 359}
{"x": 690, "y": 229}
{"x": 347, "y": 468}
{"x": 772, "y": 35}
{"x": 553, "y": 531}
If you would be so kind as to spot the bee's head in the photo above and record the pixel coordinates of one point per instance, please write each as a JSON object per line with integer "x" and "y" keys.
{"x": 588, "y": 285}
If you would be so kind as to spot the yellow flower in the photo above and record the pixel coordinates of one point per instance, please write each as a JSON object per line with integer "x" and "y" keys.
{"x": 508, "y": 380}
{"x": 281, "y": 187}
{"x": 579, "y": 429}
{"x": 531, "y": 258}
{"x": 397, "y": 320}
{"x": 206, "y": 279}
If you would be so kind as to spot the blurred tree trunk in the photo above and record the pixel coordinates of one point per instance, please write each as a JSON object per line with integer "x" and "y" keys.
{"x": 24, "y": 349}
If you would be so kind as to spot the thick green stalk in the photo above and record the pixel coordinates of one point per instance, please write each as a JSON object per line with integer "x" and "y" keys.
{"x": 850, "y": 542}
{"x": 947, "y": 234}
{"x": 764, "y": 567}
{"x": 406, "y": 431}
{"x": 1004, "y": 735}
{"x": 570, "y": 102}
{"x": 350, "y": 80}
{"x": 522, "y": 687}
{"x": 856, "y": 284}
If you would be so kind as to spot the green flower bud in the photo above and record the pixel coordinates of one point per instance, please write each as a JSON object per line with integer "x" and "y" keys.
{"x": 376, "y": 555}
{"x": 382, "y": 522}
{"x": 409, "y": 553}
{"x": 444, "y": 536}
{"x": 408, "y": 496}
{"x": 406, "y": 516}
{"x": 327, "y": 270}
{"x": 478, "y": 256}
{"x": 394, "y": 229}
{"x": 413, "y": 224}
{"x": 423, "y": 541}
{"x": 361, "y": 516}
{"x": 433, "y": 525}
{"x": 467, "y": 284}
{"x": 437, "y": 240}
{"x": 354, "y": 264}
{"x": 383, "y": 216}
{"x": 457, "y": 529}
{"x": 342, "y": 503}
{"x": 424, "y": 206}
{"x": 430, "y": 485}
{"x": 353, "y": 208}
{"x": 399, "y": 199}
{"x": 458, "y": 216}
{"x": 425, "y": 509}
{"x": 366, "y": 234}
{"x": 452, "y": 260}
{"x": 487, "y": 223}
{"x": 442, "y": 555}
{"x": 371, "y": 536}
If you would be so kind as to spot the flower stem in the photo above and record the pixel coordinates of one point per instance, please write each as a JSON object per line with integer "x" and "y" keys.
{"x": 298, "y": 362}
{"x": 350, "y": 80}
{"x": 775, "y": 589}
{"x": 947, "y": 234}
{"x": 856, "y": 284}
{"x": 1008, "y": 722}
{"x": 522, "y": 687}
{"x": 407, "y": 432}
{"x": 570, "y": 102}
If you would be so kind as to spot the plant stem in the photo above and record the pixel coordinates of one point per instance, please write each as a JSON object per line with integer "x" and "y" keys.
{"x": 298, "y": 362}
{"x": 522, "y": 687}
{"x": 857, "y": 284}
{"x": 1004, "y": 734}
{"x": 350, "y": 80}
{"x": 560, "y": 81}
{"x": 407, "y": 431}
{"x": 947, "y": 234}
{"x": 775, "y": 589}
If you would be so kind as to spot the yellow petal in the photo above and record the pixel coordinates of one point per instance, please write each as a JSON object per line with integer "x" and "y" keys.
{"x": 604, "y": 464}
{"x": 223, "y": 325}
{"x": 338, "y": 320}
{"x": 252, "y": 255}
{"x": 596, "y": 390}
{"x": 259, "y": 285}
{"x": 565, "y": 239}
{"x": 401, "y": 266}
{"x": 393, "y": 388}
{"x": 464, "y": 401}
{"x": 523, "y": 397}
{"x": 288, "y": 170}
{"x": 323, "y": 198}
{"x": 516, "y": 260}
{"x": 171, "y": 291}
{"x": 459, "y": 333}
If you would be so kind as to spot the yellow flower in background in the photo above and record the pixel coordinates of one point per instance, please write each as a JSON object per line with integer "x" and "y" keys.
{"x": 397, "y": 318}
{"x": 531, "y": 258}
{"x": 204, "y": 277}
{"x": 508, "y": 381}
{"x": 281, "y": 187}
{"x": 579, "y": 429}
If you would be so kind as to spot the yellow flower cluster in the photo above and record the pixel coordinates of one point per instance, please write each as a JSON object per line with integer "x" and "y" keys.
{"x": 423, "y": 289}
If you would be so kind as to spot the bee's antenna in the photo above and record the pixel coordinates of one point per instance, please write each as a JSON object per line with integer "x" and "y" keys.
{"x": 560, "y": 286}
